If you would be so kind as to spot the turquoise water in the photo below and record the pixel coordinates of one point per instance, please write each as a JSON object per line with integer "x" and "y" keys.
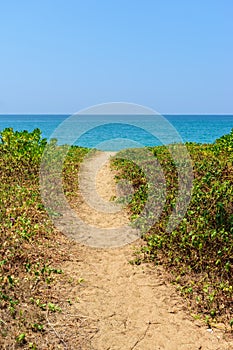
{"x": 98, "y": 129}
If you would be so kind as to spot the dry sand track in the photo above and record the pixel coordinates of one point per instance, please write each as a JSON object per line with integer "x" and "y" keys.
{"x": 123, "y": 306}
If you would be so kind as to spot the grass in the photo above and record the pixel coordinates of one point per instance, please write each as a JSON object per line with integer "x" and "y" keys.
{"x": 198, "y": 253}
{"x": 29, "y": 244}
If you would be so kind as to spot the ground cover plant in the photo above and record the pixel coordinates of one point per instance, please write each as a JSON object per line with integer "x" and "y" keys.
{"x": 29, "y": 253}
{"x": 199, "y": 252}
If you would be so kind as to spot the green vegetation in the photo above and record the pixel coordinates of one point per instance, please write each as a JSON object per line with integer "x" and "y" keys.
{"x": 28, "y": 239}
{"x": 199, "y": 252}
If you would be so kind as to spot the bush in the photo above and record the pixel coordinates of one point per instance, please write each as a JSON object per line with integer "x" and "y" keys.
{"x": 27, "y": 236}
{"x": 199, "y": 252}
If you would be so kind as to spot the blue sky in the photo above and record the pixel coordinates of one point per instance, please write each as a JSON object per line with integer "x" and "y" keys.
{"x": 175, "y": 56}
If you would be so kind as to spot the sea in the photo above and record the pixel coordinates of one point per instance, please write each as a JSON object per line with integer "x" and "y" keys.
{"x": 115, "y": 132}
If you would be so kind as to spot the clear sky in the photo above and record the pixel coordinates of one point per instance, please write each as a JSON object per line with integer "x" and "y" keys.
{"x": 58, "y": 56}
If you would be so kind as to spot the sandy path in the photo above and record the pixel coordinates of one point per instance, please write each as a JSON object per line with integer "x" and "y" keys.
{"x": 129, "y": 307}
{"x": 97, "y": 221}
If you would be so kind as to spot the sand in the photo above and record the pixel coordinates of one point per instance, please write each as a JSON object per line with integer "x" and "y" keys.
{"x": 119, "y": 305}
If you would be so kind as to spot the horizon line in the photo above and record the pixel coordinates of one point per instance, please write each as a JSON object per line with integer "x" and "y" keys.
{"x": 70, "y": 114}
